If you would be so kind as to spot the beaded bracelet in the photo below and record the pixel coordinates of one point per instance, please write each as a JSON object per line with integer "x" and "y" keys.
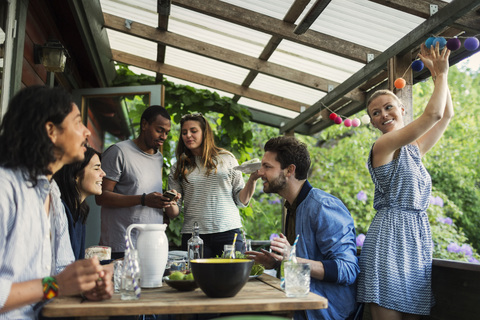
{"x": 50, "y": 288}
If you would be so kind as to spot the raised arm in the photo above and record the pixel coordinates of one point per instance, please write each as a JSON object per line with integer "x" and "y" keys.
{"x": 433, "y": 114}
{"x": 429, "y": 139}
{"x": 247, "y": 192}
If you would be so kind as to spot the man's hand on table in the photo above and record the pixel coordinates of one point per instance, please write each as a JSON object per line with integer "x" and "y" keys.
{"x": 86, "y": 276}
{"x": 269, "y": 260}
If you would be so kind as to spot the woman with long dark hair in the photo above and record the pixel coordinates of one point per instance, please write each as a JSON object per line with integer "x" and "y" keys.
{"x": 77, "y": 181}
{"x": 210, "y": 188}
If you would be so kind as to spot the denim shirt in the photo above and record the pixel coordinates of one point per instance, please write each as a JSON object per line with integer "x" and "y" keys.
{"x": 26, "y": 249}
{"x": 327, "y": 234}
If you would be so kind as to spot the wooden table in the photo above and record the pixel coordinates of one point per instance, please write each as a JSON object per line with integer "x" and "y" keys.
{"x": 262, "y": 294}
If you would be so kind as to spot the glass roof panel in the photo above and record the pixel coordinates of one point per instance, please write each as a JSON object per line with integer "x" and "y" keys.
{"x": 286, "y": 89}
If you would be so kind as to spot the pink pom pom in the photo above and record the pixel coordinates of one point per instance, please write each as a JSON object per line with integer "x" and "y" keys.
{"x": 355, "y": 122}
{"x": 338, "y": 120}
{"x": 347, "y": 122}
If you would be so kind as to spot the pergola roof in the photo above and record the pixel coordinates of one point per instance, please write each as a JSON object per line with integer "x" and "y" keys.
{"x": 290, "y": 62}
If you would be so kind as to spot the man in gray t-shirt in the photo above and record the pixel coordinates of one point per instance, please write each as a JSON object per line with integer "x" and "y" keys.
{"x": 132, "y": 187}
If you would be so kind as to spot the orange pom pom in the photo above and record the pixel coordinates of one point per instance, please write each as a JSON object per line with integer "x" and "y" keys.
{"x": 400, "y": 83}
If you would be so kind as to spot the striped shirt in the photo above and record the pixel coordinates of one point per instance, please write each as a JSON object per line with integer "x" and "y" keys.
{"x": 25, "y": 235}
{"x": 211, "y": 200}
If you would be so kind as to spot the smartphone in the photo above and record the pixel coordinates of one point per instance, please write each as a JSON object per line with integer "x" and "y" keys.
{"x": 170, "y": 195}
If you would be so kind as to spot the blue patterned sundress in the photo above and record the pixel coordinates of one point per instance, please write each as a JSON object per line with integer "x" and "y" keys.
{"x": 396, "y": 258}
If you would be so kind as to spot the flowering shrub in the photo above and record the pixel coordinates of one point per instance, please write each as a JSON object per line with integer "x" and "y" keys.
{"x": 449, "y": 242}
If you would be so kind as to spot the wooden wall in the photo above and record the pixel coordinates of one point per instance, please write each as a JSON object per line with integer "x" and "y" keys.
{"x": 456, "y": 287}
{"x": 40, "y": 27}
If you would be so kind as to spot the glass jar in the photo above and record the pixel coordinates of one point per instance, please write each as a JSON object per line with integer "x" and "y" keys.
{"x": 130, "y": 289}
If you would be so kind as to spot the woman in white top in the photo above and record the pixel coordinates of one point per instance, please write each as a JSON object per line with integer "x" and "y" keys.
{"x": 210, "y": 188}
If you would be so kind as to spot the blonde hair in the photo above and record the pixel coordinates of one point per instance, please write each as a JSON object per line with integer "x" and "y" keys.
{"x": 379, "y": 93}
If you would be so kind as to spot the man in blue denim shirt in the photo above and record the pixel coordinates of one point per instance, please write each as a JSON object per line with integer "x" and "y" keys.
{"x": 326, "y": 229}
{"x": 41, "y": 131}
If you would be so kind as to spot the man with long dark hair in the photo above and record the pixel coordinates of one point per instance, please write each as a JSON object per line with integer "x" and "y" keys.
{"x": 41, "y": 131}
{"x": 132, "y": 187}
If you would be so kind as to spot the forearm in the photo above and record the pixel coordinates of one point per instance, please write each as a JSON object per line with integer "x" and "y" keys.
{"x": 116, "y": 200}
{"x": 448, "y": 114}
{"x": 436, "y": 105}
{"x": 247, "y": 192}
{"x": 173, "y": 211}
{"x": 22, "y": 294}
{"x": 317, "y": 269}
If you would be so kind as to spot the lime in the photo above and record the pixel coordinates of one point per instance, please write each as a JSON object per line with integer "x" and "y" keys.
{"x": 188, "y": 276}
{"x": 176, "y": 275}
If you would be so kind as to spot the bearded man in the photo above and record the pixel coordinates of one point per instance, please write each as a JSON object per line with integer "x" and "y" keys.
{"x": 325, "y": 227}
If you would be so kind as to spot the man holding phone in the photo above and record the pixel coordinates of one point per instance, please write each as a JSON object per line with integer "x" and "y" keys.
{"x": 132, "y": 187}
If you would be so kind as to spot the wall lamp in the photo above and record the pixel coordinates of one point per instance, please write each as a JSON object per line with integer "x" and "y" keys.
{"x": 52, "y": 55}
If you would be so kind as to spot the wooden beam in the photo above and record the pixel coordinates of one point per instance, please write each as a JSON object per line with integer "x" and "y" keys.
{"x": 89, "y": 19}
{"x": 312, "y": 15}
{"x": 267, "y": 24}
{"x": 207, "y": 81}
{"x": 438, "y": 21}
{"x": 218, "y": 53}
{"x": 163, "y": 10}
{"x": 292, "y": 15}
{"x": 421, "y": 8}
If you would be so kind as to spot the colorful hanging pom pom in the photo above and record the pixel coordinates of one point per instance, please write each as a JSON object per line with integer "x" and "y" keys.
{"x": 441, "y": 41}
{"x": 338, "y": 120}
{"x": 365, "y": 119}
{"x": 355, "y": 122}
{"x": 454, "y": 44}
{"x": 332, "y": 116}
{"x": 347, "y": 122}
{"x": 471, "y": 44}
{"x": 400, "y": 83}
{"x": 428, "y": 42}
{"x": 417, "y": 65}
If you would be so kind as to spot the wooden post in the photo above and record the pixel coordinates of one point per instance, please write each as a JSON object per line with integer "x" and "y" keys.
{"x": 290, "y": 133}
{"x": 399, "y": 67}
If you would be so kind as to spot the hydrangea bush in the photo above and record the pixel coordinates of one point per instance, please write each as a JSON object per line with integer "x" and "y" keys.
{"x": 449, "y": 241}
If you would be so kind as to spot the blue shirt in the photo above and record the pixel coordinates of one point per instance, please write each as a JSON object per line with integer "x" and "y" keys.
{"x": 27, "y": 250}
{"x": 327, "y": 234}
{"x": 77, "y": 233}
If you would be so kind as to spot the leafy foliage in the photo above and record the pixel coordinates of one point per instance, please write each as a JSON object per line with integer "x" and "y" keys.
{"x": 339, "y": 156}
{"x": 228, "y": 119}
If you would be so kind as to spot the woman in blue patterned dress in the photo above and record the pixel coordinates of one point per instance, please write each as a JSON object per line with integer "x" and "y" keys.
{"x": 396, "y": 258}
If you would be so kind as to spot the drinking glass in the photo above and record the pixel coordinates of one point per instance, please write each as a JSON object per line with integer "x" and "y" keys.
{"x": 117, "y": 275}
{"x": 297, "y": 279}
{"x": 248, "y": 245}
{"x": 130, "y": 288}
{"x": 228, "y": 251}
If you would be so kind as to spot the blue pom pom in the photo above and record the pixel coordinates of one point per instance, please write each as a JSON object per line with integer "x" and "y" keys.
{"x": 417, "y": 65}
{"x": 428, "y": 42}
{"x": 441, "y": 41}
{"x": 471, "y": 44}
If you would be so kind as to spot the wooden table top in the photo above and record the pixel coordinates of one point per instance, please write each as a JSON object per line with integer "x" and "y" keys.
{"x": 262, "y": 294}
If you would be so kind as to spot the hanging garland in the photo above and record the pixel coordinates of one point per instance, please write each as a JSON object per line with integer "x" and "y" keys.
{"x": 453, "y": 44}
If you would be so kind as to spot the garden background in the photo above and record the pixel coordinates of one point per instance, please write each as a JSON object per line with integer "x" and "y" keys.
{"x": 339, "y": 156}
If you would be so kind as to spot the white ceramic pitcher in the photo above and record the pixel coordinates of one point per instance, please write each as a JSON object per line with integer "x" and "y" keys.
{"x": 152, "y": 247}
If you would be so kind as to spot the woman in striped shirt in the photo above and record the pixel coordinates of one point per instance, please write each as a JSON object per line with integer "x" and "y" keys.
{"x": 211, "y": 190}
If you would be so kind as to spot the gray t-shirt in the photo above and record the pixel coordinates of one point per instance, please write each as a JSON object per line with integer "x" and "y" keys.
{"x": 135, "y": 172}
